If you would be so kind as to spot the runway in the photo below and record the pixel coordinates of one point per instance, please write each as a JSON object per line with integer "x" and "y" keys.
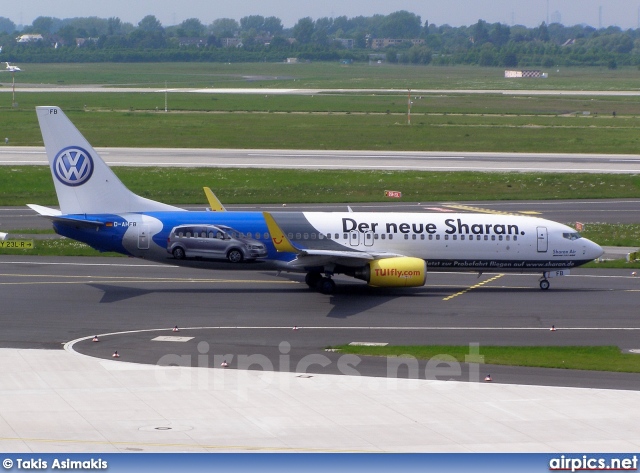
{"x": 98, "y": 89}
{"x": 371, "y": 160}
{"x": 244, "y": 314}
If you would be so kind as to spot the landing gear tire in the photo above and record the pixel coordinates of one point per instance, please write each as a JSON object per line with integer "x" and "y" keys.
{"x": 178, "y": 253}
{"x": 544, "y": 284}
{"x": 312, "y": 279}
{"x": 326, "y": 286}
{"x": 235, "y": 256}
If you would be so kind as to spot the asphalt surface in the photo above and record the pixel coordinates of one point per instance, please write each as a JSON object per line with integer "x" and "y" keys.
{"x": 248, "y": 318}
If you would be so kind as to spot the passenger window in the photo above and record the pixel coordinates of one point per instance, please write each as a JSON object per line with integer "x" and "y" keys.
{"x": 406, "y": 237}
{"x": 337, "y": 237}
{"x": 298, "y": 236}
{"x": 290, "y": 236}
{"x": 188, "y": 234}
{"x": 493, "y": 238}
{"x": 329, "y": 236}
{"x": 461, "y": 237}
{"x": 413, "y": 237}
{"x": 437, "y": 237}
{"x": 265, "y": 236}
{"x": 383, "y": 236}
{"x": 515, "y": 237}
{"x": 486, "y": 237}
{"x": 500, "y": 238}
{"x": 390, "y": 237}
{"x": 430, "y": 237}
{"x": 508, "y": 237}
{"x": 455, "y": 237}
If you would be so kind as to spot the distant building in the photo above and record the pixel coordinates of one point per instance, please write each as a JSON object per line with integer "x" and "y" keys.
{"x": 381, "y": 43}
{"x": 29, "y": 38}
{"x": 82, "y": 41}
{"x": 198, "y": 42}
{"x": 231, "y": 42}
{"x": 346, "y": 43}
{"x": 526, "y": 74}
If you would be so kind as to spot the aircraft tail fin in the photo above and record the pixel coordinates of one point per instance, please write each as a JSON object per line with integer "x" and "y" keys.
{"x": 83, "y": 181}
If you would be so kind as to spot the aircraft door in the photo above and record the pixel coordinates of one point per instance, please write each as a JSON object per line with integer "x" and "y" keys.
{"x": 543, "y": 242}
{"x": 354, "y": 238}
{"x": 368, "y": 238}
{"x": 143, "y": 237}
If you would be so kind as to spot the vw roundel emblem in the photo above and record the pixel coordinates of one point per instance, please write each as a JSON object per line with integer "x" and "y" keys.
{"x": 73, "y": 166}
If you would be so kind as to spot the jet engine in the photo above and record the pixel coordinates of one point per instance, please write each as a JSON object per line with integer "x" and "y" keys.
{"x": 400, "y": 271}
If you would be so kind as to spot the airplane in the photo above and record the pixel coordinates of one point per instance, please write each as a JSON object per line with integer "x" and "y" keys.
{"x": 385, "y": 249}
{"x": 11, "y": 68}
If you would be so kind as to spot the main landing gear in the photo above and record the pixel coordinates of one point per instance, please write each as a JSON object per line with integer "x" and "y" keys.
{"x": 323, "y": 284}
{"x": 544, "y": 283}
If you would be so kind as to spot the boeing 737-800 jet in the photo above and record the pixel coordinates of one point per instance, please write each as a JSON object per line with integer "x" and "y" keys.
{"x": 385, "y": 249}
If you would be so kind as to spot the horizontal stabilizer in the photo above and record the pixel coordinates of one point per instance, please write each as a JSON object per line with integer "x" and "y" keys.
{"x": 56, "y": 216}
{"x": 44, "y": 211}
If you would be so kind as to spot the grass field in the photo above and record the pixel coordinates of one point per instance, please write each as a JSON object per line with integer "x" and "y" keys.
{"x": 22, "y": 185}
{"x": 321, "y": 75}
{"x": 597, "y": 358}
{"x": 357, "y": 131}
{"x": 366, "y": 121}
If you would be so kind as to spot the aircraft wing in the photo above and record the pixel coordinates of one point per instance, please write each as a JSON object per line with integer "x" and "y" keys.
{"x": 214, "y": 202}
{"x": 306, "y": 258}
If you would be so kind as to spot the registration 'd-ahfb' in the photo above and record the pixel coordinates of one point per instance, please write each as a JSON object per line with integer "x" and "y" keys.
{"x": 384, "y": 249}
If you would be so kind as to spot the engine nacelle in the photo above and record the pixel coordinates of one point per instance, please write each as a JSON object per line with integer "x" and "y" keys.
{"x": 401, "y": 271}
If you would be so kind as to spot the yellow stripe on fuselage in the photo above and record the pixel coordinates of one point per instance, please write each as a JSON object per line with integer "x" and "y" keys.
{"x": 280, "y": 241}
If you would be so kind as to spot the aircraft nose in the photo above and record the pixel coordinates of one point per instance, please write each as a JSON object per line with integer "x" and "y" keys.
{"x": 594, "y": 250}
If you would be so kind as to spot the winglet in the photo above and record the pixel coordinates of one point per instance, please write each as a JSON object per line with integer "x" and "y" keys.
{"x": 214, "y": 203}
{"x": 280, "y": 241}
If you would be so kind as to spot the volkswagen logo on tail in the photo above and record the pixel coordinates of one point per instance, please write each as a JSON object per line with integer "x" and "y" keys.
{"x": 73, "y": 166}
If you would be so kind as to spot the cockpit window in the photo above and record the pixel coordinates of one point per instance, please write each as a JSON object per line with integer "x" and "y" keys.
{"x": 571, "y": 236}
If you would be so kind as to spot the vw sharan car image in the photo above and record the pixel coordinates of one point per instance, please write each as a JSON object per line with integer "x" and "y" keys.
{"x": 215, "y": 242}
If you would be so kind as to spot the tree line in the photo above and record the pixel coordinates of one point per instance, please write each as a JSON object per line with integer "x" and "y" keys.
{"x": 259, "y": 38}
